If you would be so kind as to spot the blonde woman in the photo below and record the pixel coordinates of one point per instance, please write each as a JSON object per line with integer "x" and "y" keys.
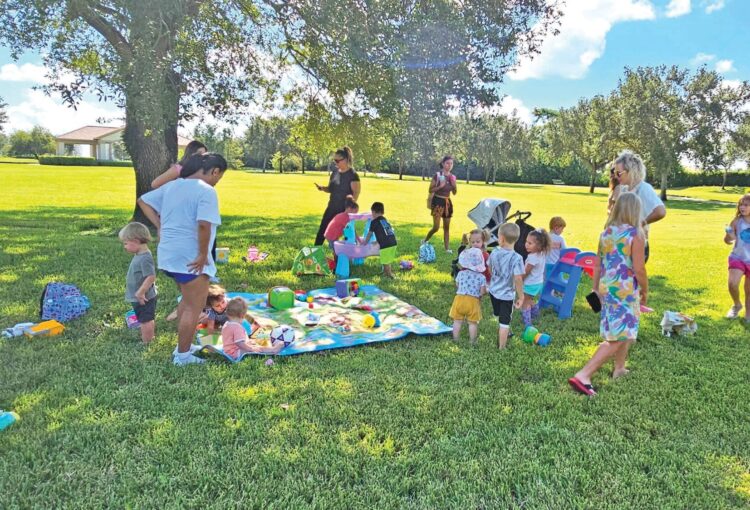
{"x": 631, "y": 174}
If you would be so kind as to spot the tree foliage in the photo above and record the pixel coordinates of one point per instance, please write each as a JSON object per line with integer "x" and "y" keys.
{"x": 36, "y": 142}
{"x": 3, "y": 115}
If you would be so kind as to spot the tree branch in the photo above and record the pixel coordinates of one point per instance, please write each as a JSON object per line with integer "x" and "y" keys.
{"x": 101, "y": 25}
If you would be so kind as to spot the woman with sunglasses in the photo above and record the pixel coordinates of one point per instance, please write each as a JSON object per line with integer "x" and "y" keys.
{"x": 343, "y": 182}
{"x": 631, "y": 174}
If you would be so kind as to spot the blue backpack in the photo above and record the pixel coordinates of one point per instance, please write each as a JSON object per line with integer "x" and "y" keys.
{"x": 62, "y": 302}
{"x": 426, "y": 253}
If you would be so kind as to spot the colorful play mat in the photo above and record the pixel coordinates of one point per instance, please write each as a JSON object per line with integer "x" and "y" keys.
{"x": 334, "y": 323}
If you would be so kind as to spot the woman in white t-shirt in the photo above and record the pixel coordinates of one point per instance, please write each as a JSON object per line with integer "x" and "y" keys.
{"x": 631, "y": 174}
{"x": 186, "y": 213}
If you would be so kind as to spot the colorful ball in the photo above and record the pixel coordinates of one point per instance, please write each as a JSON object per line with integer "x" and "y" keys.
{"x": 283, "y": 333}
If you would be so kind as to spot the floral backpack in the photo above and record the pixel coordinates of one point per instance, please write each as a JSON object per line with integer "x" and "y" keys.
{"x": 426, "y": 253}
{"x": 62, "y": 302}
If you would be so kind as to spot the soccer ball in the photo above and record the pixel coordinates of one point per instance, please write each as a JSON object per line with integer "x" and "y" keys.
{"x": 282, "y": 333}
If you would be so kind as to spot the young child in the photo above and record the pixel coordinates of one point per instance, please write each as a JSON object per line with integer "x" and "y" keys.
{"x": 506, "y": 284}
{"x": 473, "y": 238}
{"x": 471, "y": 285}
{"x": 335, "y": 228}
{"x": 216, "y": 306}
{"x": 556, "y": 227}
{"x": 621, "y": 282}
{"x": 538, "y": 244}
{"x": 140, "y": 288}
{"x": 386, "y": 238}
{"x": 738, "y": 232}
{"x": 234, "y": 337}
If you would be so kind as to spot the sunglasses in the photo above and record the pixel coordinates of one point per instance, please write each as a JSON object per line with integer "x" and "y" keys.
{"x": 338, "y": 160}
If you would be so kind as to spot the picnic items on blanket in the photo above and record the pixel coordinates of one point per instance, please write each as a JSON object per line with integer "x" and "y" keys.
{"x": 677, "y": 323}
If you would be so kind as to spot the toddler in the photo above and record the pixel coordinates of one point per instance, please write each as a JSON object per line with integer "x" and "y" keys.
{"x": 385, "y": 236}
{"x": 234, "y": 337}
{"x": 738, "y": 232}
{"x": 556, "y": 227}
{"x": 140, "y": 288}
{"x": 471, "y": 286}
{"x": 216, "y": 305}
{"x": 538, "y": 245}
{"x": 621, "y": 283}
{"x": 506, "y": 283}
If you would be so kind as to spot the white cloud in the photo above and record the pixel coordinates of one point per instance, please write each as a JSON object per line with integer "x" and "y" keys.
{"x": 713, "y": 5}
{"x": 49, "y": 112}
{"x": 701, "y": 58}
{"x": 32, "y": 73}
{"x": 724, "y": 66}
{"x": 512, "y": 106}
{"x": 582, "y": 38}
{"x": 732, "y": 84}
{"x": 678, "y": 8}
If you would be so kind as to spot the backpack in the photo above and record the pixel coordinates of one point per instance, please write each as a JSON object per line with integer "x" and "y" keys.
{"x": 62, "y": 302}
{"x": 426, "y": 253}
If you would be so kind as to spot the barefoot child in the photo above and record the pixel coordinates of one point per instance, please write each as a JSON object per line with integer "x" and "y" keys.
{"x": 140, "y": 290}
{"x": 383, "y": 232}
{"x": 622, "y": 285}
{"x": 506, "y": 284}
{"x": 738, "y": 232}
{"x": 538, "y": 244}
{"x": 234, "y": 337}
{"x": 471, "y": 285}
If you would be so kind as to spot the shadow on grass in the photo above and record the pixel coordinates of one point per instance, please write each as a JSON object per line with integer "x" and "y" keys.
{"x": 123, "y": 424}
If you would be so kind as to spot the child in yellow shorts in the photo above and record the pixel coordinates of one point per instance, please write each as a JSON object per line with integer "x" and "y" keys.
{"x": 471, "y": 285}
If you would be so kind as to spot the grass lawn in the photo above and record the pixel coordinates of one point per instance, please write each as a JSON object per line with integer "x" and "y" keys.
{"x": 419, "y": 423}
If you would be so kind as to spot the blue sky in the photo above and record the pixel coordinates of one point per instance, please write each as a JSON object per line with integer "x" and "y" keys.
{"x": 597, "y": 39}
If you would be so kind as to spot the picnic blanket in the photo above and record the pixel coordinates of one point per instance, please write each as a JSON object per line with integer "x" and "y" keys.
{"x": 338, "y": 322}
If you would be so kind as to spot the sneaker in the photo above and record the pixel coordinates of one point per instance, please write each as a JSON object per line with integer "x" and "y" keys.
{"x": 422, "y": 242}
{"x": 193, "y": 349}
{"x": 449, "y": 251}
{"x": 734, "y": 312}
{"x": 182, "y": 359}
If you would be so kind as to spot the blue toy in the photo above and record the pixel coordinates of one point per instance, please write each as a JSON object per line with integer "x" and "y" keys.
{"x": 7, "y": 418}
{"x": 531, "y": 335}
{"x": 560, "y": 287}
{"x": 348, "y": 251}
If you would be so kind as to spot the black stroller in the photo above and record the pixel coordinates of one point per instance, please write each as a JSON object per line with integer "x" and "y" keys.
{"x": 490, "y": 213}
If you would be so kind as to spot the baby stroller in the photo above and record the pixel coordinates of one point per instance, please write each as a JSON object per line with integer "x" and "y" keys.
{"x": 490, "y": 213}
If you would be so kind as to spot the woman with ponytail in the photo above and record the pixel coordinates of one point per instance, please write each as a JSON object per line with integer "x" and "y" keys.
{"x": 343, "y": 183}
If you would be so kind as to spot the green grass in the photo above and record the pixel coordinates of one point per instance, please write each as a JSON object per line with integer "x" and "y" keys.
{"x": 419, "y": 423}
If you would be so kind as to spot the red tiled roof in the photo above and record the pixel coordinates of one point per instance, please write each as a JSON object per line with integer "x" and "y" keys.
{"x": 93, "y": 133}
{"x": 89, "y": 133}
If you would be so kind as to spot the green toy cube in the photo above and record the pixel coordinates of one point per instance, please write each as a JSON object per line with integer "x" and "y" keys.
{"x": 281, "y": 298}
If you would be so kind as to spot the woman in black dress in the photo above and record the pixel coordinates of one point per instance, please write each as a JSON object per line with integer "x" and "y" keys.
{"x": 344, "y": 181}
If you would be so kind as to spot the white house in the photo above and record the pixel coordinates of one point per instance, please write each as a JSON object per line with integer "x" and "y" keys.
{"x": 98, "y": 142}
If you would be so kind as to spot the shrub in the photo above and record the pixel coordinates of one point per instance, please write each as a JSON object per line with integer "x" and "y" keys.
{"x": 67, "y": 160}
{"x": 80, "y": 161}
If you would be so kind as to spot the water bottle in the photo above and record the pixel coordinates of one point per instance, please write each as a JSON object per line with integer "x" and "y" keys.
{"x": 7, "y": 418}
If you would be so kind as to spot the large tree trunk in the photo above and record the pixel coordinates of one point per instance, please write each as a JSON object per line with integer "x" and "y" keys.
{"x": 468, "y": 172}
{"x": 265, "y": 162}
{"x": 724, "y": 178}
{"x": 400, "y": 168}
{"x": 593, "y": 179}
{"x": 664, "y": 182}
{"x": 150, "y": 135}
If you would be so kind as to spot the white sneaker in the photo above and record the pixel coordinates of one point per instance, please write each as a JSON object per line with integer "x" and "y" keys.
{"x": 734, "y": 312}
{"x": 193, "y": 349}
{"x": 422, "y": 242}
{"x": 449, "y": 251}
{"x": 183, "y": 359}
